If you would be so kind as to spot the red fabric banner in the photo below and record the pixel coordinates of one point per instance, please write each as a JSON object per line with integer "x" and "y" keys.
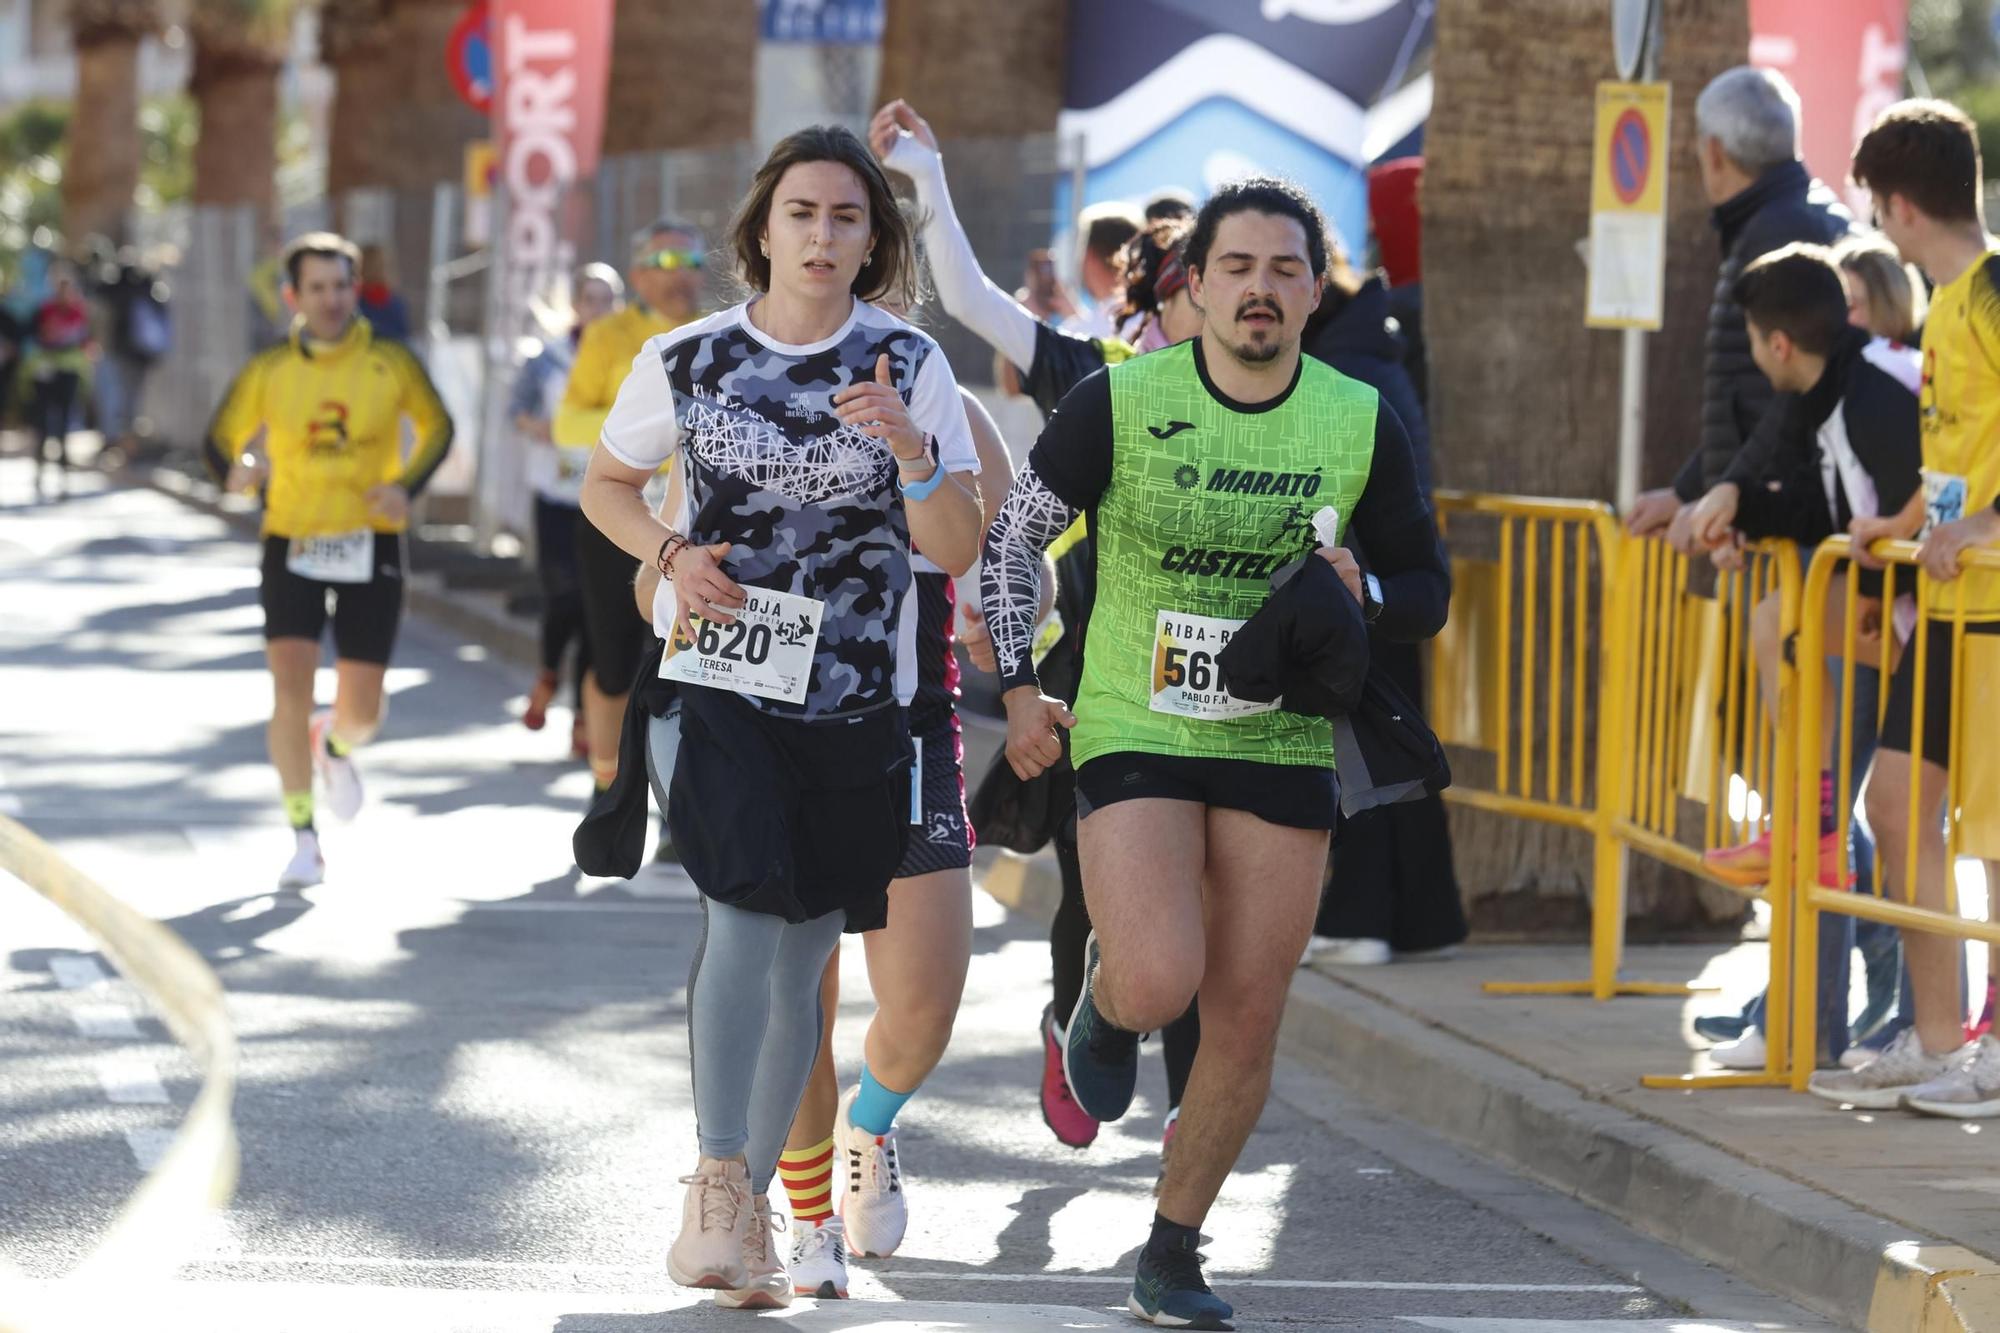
{"x": 551, "y": 70}
{"x": 1846, "y": 60}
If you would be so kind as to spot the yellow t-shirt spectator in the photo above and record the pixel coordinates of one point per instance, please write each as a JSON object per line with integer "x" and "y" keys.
{"x": 603, "y": 360}
{"x": 1960, "y": 406}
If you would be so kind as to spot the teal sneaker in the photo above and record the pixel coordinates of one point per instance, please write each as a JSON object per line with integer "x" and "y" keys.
{"x": 1100, "y": 1061}
{"x": 1168, "y": 1290}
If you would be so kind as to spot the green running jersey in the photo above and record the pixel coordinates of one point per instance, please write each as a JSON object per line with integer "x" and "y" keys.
{"x": 1205, "y": 502}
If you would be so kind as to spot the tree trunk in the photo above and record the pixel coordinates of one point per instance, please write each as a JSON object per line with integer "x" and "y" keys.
{"x": 236, "y": 157}
{"x": 421, "y": 137}
{"x": 101, "y": 168}
{"x": 1976, "y": 44}
{"x": 683, "y": 75}
{"x": 355, "y": 41}
{"x": 977, "y": 69}
{"x": 1523, "y": 397}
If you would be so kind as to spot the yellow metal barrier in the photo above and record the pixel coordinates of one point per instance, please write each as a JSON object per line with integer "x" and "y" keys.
{"x": 1971, "y": 797}
{"x": 156, "y": 1228}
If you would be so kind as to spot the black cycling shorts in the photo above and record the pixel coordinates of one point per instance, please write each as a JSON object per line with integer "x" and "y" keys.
{"x": 941, "y": 839}
{"x": 1896, "y": 720}
{"x": 1294, "y": 795}
{"x": 365, "y": 615}
{"x": 614, "y": 631}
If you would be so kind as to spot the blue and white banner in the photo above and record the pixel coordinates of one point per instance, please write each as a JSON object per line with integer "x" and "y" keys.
{"x": 1192, "y": 93}
{"x": 826, "y": 22}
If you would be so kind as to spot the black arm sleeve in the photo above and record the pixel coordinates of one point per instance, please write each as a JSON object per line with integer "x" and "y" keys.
{"x": 1396, "y": 527}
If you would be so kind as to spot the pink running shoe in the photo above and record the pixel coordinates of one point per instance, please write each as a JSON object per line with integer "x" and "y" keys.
{"x": 1065, "y": 1119}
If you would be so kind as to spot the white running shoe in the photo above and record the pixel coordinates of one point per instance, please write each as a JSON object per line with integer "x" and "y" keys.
{"x": 1856, "y": 1056}
{"x": 765, "y": 1285}
{"x": 872, "y": 1206}
{"x": 819, "y": 1259}
{"x": 342, "y": 780}
{"x": 715, "y": 1227}
{"x": 307, "y": 866}
{"x": 1881, "y": 1084}
{"x": 1969, "y": 1092}
{"x": 1746, "y": 1052}
{"x": 1348, "y": 953}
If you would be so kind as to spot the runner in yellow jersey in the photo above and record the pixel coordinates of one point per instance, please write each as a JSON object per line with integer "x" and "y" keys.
{"x": 316, "y": 425}
{"x": 666, "y": 284}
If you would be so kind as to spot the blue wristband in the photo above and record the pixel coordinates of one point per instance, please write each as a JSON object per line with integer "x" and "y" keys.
{"x": 921, "y": 490}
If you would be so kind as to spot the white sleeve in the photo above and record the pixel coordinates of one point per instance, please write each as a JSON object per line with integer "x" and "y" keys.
{"x": 640, "y": 430}
{"x": 939, "y": 412}
{"x": 965, "y": 291}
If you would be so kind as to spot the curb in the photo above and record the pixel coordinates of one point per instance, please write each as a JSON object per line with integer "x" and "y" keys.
{"x": 1863, "y": 1270}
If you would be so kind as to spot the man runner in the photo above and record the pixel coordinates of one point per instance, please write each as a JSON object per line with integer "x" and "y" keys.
{"x": 1188, "y": 462}
{"x": 328, "y": 405}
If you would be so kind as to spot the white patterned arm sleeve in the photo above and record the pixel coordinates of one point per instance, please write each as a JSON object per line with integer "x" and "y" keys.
{"x": 1010, "y": 579}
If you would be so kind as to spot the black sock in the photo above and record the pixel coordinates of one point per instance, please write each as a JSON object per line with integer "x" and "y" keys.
{"x": 1169, "y": 1236}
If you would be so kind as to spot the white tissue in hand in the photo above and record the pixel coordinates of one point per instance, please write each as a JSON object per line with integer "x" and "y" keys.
{"x": 1326, "y": 526}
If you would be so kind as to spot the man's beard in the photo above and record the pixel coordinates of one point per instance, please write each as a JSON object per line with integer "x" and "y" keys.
{"x": 1256, "y": 354}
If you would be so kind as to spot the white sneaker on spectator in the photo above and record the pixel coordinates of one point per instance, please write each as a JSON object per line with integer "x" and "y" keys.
{"x": 1881, "y": 1084}
{"x": 1348, "y": 953}
{"x": 1746, "y": 1052}
{"x": 1969, "y": 1092}
{"x": 1855, "y": 1056}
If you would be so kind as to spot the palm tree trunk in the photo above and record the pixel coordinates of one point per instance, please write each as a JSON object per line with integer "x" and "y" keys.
{"x": 974, "y": 68}
{"x": 355, "y": 39}
{"x": 706, "y": 102}
{"x": 236, "y": 157}
{"x": 101, "y": 169}
{"x": 1524, "y": 398}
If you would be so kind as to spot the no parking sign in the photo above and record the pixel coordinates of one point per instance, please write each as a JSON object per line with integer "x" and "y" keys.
{"x": 1628, "y": 207}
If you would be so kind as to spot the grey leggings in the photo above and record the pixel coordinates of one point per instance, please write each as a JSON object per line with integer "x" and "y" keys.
{"x": 753, "y": 1012}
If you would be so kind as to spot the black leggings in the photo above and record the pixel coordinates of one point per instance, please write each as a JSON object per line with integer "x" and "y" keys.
{"x": 1067, "y": 935}
{"x": 55, "y": 397}
{"x": 562, "y": 591}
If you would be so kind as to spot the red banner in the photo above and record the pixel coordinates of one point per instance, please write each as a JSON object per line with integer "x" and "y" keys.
{"x": 1846, "y": 60}
{"x": 551, "y": 68}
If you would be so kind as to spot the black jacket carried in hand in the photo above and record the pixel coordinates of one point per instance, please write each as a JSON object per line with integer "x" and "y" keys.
{"x": 1309, "y": 644}
{"x": 1781, "y": 206}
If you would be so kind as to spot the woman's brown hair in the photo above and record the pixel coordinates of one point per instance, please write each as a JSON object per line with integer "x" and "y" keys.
{"x": 891, "y": 269}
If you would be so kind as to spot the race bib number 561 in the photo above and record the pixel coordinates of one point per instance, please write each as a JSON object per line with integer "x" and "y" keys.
{"x": 766, "y": 651}
{"x": 1187, "y": 672}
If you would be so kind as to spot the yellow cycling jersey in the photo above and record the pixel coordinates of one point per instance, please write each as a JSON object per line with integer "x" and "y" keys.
{"x": 332, "y": 419}
{"x": 603, "y": 359}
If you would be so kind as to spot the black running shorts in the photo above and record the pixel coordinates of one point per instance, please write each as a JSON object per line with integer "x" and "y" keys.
{"x": 365, "y": 615}
{"x": 942, "y": 838}
{"x": 1294, "y": 795}
{"x": 1900, "y": 713}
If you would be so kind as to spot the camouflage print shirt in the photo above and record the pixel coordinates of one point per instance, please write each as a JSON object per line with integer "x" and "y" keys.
{"x": 809, "y": 505}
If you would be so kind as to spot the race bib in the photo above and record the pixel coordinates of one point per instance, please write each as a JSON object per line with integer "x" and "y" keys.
{"x": 346, "y": 558}
{"x": 1187, "y": 677}
{"x": 766, "y": 651}
{"x": 1944, "y": 500}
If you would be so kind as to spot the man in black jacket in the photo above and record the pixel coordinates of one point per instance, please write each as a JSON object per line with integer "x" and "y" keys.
{"x": 1747, "y": 133}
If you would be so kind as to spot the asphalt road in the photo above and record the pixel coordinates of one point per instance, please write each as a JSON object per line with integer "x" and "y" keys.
{"x": 464, "y": 1096}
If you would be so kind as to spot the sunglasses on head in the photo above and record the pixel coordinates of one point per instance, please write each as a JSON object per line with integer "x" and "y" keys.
{"x": 670, "y": 260}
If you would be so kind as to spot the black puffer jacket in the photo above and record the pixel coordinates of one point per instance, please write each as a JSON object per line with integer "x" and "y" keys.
{"x": 1358, "y": 342}
{"x": 1781, "y": 206}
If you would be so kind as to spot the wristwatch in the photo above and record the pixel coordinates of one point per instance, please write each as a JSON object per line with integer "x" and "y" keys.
{"x": 1371, "y": 598}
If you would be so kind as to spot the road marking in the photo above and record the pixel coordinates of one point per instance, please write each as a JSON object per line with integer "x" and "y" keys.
{"x": 129, "y": 1079}
{"x": 104, "y": 1020}
{"x": 907, "y": 1275}
{"x": 655, "y": 908}
{"x": 1373, "y": 1171}
{"x": 75, "y": 971}
{"x": 149, "y": 1145}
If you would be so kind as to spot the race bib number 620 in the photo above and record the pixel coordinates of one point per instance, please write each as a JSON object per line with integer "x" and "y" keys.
{"x": 766, "y": 651}
{"x": 1187, "y": 670}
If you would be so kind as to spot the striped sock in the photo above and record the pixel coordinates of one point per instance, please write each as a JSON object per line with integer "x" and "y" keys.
{"x": 808, "y": 1177}
{"x": 299, "y": 809}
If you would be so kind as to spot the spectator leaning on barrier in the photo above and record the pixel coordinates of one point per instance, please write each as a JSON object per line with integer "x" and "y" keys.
{"x": 1885, "y": 295}
{"x": 1747, "y": 138}
{"x": 1920, "y": 163}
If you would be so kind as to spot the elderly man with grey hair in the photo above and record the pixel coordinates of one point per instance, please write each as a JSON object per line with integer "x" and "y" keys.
{"x": 1746, "y": 139}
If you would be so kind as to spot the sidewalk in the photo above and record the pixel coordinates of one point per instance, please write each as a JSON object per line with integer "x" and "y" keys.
{"x": 1883, "y": 1221}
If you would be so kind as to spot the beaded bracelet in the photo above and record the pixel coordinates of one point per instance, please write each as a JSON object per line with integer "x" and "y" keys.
{"x": 669, "y": 548}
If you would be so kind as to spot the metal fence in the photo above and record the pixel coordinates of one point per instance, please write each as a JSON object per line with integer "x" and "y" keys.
{"x": 223, "y": 277}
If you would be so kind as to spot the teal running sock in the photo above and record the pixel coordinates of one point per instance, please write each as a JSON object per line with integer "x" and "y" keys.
{"x": 875, "y": 1106}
